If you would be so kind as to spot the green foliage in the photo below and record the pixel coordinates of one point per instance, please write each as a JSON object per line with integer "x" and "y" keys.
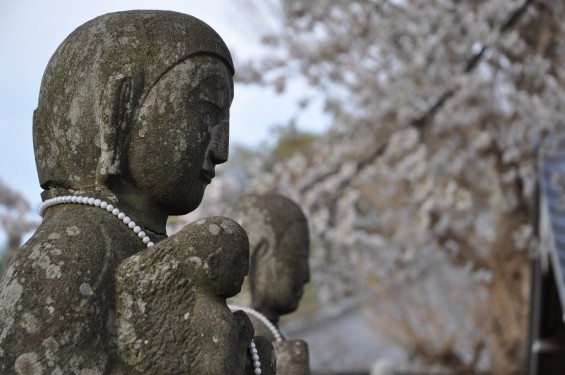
{"x": 249, "y": 160}
{"x": 242, "y": 156}
{"x": 289, "y": 144}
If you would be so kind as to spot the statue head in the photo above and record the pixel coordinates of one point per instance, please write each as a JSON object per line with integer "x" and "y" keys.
{"x": 136, "y": 96}
{"x": 217, "y": 254}
{"x": 279, "y": 248}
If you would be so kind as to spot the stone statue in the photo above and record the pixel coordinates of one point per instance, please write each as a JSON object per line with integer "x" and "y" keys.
{"x": 181, "y": 283}
{"x": 132, "y": 119}
{"x": 279, "y": 245}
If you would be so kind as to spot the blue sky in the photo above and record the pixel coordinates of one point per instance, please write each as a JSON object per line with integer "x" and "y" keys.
{"x": 30, "y": 31}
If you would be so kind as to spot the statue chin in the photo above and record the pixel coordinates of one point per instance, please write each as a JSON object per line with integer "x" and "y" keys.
{"x": 178, "y": 209}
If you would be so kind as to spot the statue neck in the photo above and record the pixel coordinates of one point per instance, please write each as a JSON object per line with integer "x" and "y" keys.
{"x": 124, "y": 196}
{"x": 141, "y": 209}
{"x": 269, "y": 314}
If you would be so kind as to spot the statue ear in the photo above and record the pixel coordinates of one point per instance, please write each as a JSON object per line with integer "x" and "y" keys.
{"x": 258, "y": 253}
{"x": 117, "y": 111}
{"x": 261, "y": 249}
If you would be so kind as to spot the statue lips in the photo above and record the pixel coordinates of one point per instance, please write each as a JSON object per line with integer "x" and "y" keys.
{"x": 207, "y": 175}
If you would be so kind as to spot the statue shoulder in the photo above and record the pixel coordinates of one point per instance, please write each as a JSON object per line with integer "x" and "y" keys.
{"x": 59, "y": 287}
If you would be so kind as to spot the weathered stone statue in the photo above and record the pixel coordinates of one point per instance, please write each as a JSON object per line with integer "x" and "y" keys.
{"x": 279, "y": 245}
{"x": 132, "y": 120}
{"x": 182, "y": 284}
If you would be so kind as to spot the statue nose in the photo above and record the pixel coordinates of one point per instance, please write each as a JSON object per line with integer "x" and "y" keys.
{"x": 219, "y": 148}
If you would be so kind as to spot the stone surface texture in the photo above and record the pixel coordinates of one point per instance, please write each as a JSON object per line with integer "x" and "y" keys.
{"x": 292, "y": 357}
{"x": 57, "y": 305}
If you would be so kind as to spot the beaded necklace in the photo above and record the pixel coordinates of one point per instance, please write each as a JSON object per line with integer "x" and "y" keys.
{"x": 262, "y": 318}
{"x": 102, "y": 204}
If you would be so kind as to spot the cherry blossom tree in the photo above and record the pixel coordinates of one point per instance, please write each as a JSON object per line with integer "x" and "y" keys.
{"x": 428, "y": 170}
{"x": 14, "y": 221}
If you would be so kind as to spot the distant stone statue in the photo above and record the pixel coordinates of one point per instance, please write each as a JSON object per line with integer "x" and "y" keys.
{"x": 132, "y": 120}
{"x": 279, "y": 245}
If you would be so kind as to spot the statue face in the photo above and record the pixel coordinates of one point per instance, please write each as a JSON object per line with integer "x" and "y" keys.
{"x": 282, "y": 274}
{"x": 234, "y": 266}
{"x": 181, "y": 134}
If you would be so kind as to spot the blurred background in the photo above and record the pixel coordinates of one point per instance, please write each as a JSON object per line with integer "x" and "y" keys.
{"x": 407, "y": 130}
